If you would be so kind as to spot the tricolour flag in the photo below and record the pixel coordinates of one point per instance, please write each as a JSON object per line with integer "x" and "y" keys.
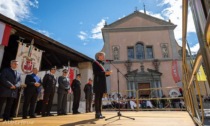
{"x": 5, "y": 30}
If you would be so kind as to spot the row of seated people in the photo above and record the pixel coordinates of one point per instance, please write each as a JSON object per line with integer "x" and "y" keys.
{"x": 124, "y": 102}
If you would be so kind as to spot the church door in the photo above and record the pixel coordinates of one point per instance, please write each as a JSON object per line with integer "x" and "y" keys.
{"x": 144, "y": 93}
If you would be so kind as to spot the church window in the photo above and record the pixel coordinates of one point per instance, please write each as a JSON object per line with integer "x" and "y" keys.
{"x": 139, "y": 51}
{"x": 130, "y": 53}
{"x": 149, "y": 52}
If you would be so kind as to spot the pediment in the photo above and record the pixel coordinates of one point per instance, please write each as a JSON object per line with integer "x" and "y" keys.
{"x": 139, "y": 19}
{"x": 148, "y": 73}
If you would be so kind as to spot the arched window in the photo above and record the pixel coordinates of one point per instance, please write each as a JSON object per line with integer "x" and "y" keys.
{"x": 139, "y": 51}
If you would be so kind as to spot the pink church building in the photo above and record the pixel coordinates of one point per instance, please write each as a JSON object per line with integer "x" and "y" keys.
{"x": 146, "y": 54}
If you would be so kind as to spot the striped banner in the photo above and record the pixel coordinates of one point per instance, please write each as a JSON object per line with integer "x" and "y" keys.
{"x": 4, "y": 33}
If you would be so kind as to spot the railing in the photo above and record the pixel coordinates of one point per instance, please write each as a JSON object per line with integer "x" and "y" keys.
{"x": 155, "y": 100}
{"x": 192, "y": 93}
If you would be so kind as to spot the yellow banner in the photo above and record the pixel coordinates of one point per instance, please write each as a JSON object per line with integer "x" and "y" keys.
{"x": 201, "y": 76}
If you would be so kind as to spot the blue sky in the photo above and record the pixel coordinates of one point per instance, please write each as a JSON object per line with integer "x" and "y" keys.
{"x": 78, "y": 23}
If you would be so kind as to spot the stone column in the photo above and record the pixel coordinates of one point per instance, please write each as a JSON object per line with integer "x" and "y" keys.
{"x": 86, "y": 71}
{"x": 129, "y": 88}
{"x": 134, "y": 89}
{"x": 159, "y": 91}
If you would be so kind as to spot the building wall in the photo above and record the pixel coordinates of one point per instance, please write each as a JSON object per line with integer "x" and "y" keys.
{"x": 124, "y": 38}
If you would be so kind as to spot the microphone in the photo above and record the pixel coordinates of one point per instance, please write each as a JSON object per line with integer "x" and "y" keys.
{"x": 109, "y": 60}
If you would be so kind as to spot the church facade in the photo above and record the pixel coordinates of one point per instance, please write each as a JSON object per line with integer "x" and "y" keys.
{"x": 145, "y": 55}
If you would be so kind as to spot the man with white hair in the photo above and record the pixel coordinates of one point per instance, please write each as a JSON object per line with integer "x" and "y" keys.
{"x": 99, "y": 85}
{"x": 10, "y": 80}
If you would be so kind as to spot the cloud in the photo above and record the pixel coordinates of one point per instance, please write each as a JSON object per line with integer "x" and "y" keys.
{"x": 173, "y": 11}
{"x": 96, "y": 31}
{"x": 157, "y": 15}
{"x": 194, "y": 49}
{"x": 17, "y": 9}
{"x": 44, "y": 32}
{"x": 82, "y": 35}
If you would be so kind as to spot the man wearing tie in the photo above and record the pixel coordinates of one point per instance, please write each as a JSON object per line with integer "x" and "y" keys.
{"x": 49, "y": 83}
{"x": 33, "y": 83}
{"x": 10, "y": 80}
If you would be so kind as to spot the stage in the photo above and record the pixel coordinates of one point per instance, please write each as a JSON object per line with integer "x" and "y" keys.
{"x": 142, "y": 118}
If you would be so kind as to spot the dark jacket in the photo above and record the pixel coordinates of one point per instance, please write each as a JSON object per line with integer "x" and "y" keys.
{"x": 76, "y": 85}
{"x": 63, "y": 85}
{"x": 88, "y": 91}
{"x": 9, "y": 78}
{"x": 99, "y": 84}
{"x": 30, "y": 80}
{"x": 49, "y": 82}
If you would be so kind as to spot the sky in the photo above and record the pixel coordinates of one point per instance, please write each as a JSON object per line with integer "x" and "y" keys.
{"x": 77, "y": 23}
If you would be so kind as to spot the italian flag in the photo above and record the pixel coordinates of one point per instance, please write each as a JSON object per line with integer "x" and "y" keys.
{"x": 5, "y": 30}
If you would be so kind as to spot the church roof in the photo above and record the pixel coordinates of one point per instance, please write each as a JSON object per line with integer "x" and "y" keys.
{"x": 139, "y": 20}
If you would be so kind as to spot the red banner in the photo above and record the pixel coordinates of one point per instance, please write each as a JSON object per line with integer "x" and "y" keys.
{"x": 71, "y": 77}
{"x": 5, "y": 30}
{"x": 175, "y": 72}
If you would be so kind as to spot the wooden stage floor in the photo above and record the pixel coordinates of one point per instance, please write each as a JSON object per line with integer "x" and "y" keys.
{"x": 142, "y": 118}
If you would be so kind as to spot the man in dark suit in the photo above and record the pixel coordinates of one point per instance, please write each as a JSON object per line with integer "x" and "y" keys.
{"x": 49, "y": 83}
{"x": 10, "y": 80}
{"x": 33, "y": 83}
{"x": 77, "y": 93}
{"x": 63, "y": 88}
{"x": 88, "y": 95}
{"x": 99, "y": 85}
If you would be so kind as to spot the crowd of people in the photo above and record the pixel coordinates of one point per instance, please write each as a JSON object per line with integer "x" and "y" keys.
{"x": 124, "y": 102}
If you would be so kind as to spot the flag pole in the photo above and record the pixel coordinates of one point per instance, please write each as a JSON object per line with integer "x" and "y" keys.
{"x": 24, "y": 85}
{"x": 70, "y": 86}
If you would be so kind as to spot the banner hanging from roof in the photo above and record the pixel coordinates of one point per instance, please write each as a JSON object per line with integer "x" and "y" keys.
{"x": 175, "y": 72}
{"x": 5, "y": 30}
{"x": 28, "y": 57}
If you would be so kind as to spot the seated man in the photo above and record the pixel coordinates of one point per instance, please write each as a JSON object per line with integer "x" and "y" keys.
{"x": 149, "y": 104}
{"x": 104, "y": 102}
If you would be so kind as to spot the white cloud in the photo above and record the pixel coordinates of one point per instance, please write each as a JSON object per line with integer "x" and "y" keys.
{"x": 82, "y": 35}
{"x": 96, "y": 31}
{"x": 195, "y": 48}
{"x": 174, "y": 13}
{"x": 157, "y": 15}
{"x": 17, "y": 9}
{"x": 44, "y": 32}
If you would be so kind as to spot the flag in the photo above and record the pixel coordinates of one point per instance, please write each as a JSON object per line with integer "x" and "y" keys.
{"x": 28, "y": 62}
{"x": 175, "y": 72}
{"x": 71, "y": 77}
{"x": 201, "y": 76}
{"x": 5, "y": 30}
